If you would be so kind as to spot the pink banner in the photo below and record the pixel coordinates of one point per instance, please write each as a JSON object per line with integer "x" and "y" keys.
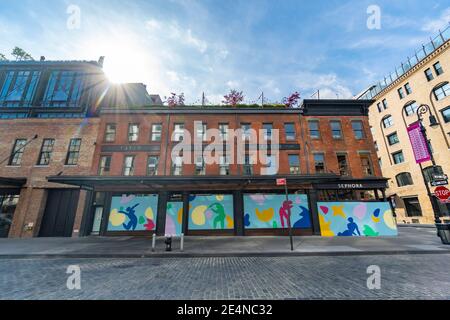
{"x": 418, "y": 143}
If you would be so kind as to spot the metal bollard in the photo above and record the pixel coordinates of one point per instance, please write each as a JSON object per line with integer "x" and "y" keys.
{"x": 153, "y": 242}
{"x": 182, "y": 242}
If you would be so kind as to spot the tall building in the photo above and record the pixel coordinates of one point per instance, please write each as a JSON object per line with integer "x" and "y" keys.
{"x": 422, "y": 79}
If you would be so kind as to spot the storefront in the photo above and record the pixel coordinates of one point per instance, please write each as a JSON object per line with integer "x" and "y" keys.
{"x": 326, "y": 205}
{"x": 9, "y": 198}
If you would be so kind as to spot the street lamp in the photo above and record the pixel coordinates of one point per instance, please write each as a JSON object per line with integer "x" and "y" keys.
{"x": 421, "y": 110}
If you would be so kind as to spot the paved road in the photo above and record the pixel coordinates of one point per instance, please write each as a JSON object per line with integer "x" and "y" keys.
{"x": 340, "y": 277}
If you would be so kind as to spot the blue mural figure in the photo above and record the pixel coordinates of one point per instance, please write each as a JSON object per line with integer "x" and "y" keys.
{"x": 131, "y": 214}
{"x": 304, "y": 221}
{"x": 351, "y": 228}
{"x": 219, "y": 210}
{"x": 247, "y": 220}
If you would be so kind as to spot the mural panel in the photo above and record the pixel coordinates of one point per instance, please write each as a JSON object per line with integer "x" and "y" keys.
{"x": 133, "y": 212}
{"x": 174, "y": 218}
{"x": 348, "y": 219}
{"x": 270, "y": 211}
{"x": 211, "y": 212}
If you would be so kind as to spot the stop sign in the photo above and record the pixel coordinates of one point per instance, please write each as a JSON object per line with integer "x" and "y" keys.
{"x": 442, "y": 193}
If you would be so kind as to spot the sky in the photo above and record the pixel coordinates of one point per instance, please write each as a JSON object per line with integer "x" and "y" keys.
{"x": 212, "y": 46}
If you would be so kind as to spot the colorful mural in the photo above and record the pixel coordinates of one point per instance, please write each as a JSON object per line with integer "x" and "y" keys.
{"x": 348, "y": 219}
{"x": 133, "y": 212}
{"x": 270, "y": 211}
{"x": 211, "y": 212}
{"x": 174, "y": 218}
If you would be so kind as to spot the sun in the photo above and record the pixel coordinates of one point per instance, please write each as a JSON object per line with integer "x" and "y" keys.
{"x": 124, "y": 64}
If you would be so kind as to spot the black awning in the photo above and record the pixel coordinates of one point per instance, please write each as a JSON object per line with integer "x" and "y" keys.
{"x": 12, "y": 182}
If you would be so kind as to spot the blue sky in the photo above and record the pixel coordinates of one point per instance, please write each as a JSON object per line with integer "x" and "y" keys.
{"x": 212, "y": 46}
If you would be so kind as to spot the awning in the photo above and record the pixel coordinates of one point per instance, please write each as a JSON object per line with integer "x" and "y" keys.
{"x": 12, "y": 182}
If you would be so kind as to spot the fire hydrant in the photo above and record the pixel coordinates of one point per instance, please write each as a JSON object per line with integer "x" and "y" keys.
{"x": 168, "y": 243}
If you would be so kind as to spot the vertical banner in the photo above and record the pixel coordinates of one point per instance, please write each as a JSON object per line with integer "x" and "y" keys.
{"x": 418, "y": 143}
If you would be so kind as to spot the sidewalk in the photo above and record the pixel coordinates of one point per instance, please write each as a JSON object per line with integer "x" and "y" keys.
{"x": 414, "y": 240}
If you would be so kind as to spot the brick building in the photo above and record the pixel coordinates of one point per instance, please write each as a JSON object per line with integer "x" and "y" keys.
{"x": 326, "y": 153}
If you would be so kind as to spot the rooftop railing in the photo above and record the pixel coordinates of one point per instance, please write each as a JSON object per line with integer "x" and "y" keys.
{"x": 418, "y": 56}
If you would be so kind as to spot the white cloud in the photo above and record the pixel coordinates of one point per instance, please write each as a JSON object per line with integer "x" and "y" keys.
{"x": 441, "y": 23}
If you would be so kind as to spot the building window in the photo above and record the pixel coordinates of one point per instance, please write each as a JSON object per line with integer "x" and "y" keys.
{"x": 446, "y": 114}
{"x": 248, "y": 166}
{"x": 224, "y": 166}
{"x": 319, "y": 162}
{"x": 267, "y": 127}
{"x": 408, "y": 88}
{"x": 294, "y": 164}
{"x": 133, "y": 132}
{"x": 63, "y": 89}
{"x": 385, "y": 104}
{"x": 438, "y": 68}
{"x": 412, "y": 206}
{"x": 8, "y": 204}
{"x": 200, "y": 167}
{"x": 336, "y": 130}
{"x": 358, "y": 129}
{"x": 404, "y": 179}
{"x": 429, "y": 74}
{"x": 442, "y": 91}
{"x": 201, "y": 132}
{"x": 411, "y": 108}
{"x": 177, "y": 166}
{"x": 152, "y": 165}
{"x": 46, "y": 152}
{"x": 19, "y": 88}
{"x": 156, "y": 132}
{"x": 366, "y": 164}
{"x": 223, "y": 128}
{"x": 393, "y": 138}
{"x": 105, "y": 165}
{"x": 289, "y": 129}
{"x": 178, "y": 132}
{"x": 428, "y": 172}
{"x": 398, "y": 157}
{"x": 74, "y": 152}
{"x": 246, "y": 127}
{"x": 401, "y": 94}
{"x": 128, "y": 166}
{"x": 343, "y": 164}
{"x": 314, "y": 132}
{"x": 379, "y": 107}
{"x": 16, "y": 155}
{"x": 388, "y": 122}
{"x": 110, "y": 132}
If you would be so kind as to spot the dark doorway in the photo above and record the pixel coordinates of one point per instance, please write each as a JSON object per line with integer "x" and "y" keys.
{"x": 8, "y": 203}
{"x": 59, "y": 213}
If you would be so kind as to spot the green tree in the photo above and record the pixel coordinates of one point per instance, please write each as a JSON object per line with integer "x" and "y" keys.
{"x": 2, "y": 57}
{"x": 21, "y": 55}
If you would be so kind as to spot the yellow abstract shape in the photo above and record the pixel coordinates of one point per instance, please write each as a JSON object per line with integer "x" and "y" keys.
{"x": 389, "y": 220}
{"x": 219, "y": 197}
{"x": 338, "y": 211}
{"x": 149, "y": 213}
{"x": 230, "y": 222}
{"x": 198, "y": 215}
{"x": 180, "y": 216}
{"x": 116, "y": 218}
{"x": 375, "y": 219}
{"x": 265, "y": 215}
{"x": 325, "y": 229}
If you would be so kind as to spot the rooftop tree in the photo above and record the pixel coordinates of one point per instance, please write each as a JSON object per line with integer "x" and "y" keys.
{"x": 21, "y": 55}
{"x": 233, "y": 98}
{"x": 292, "y": 101}
{"x": 175, "y": 100}
{"x": 2, "y": 57}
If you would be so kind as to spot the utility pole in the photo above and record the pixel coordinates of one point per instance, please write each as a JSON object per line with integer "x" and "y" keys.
{"x": 203, "y": 99}
{"x": 262, "y": 99}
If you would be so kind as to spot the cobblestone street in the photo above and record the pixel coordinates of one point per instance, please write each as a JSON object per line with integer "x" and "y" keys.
{"x": 422, "y": 276}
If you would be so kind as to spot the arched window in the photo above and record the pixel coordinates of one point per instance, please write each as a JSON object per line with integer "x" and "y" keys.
{"x": 411, "y": 108}
{"x": 442, "y": 91}
{"x": 428, "y": 171}
{"x": 404, "y": 179}
{"x": 388, "y": 121}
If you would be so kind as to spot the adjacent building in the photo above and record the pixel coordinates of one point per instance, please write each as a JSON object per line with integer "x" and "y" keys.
{"x": 423, "y": 79}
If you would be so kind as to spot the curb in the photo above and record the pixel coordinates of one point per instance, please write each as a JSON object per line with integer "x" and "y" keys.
{"x": 220, "y": 255}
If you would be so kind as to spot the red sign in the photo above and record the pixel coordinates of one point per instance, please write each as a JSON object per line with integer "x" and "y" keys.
{"x": 281, "y": 182}
{"x": 443, "y": 194}
{"x": 418, "y": 143}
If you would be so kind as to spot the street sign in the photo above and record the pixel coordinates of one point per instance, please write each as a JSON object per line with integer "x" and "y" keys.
{"x": 443, "y": 194}
{"x": 439, "y": 183}
{"x": 281, "y": 182}
{"x": 437, "y": 177}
